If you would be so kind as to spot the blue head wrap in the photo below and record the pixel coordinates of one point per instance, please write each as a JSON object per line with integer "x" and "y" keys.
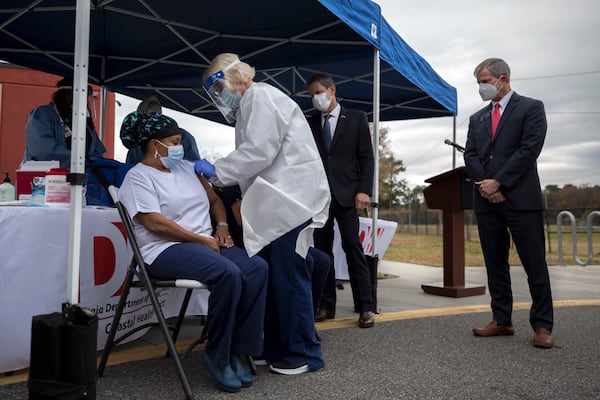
{"x": 138, "y": 128}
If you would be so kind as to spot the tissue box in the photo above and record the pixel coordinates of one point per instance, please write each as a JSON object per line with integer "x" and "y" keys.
{"x": 28, "y": 171}
{"x": 57, "y": 189}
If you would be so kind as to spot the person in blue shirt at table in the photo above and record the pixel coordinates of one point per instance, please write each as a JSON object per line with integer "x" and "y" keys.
{"x": 190, "y": 149}
{"x": 49, "y": 127}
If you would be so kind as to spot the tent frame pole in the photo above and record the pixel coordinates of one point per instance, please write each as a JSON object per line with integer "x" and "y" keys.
{"x": 376, "y": 102}
{"x": 103, "y": 99}
{"x": 77, "y": 175}
{"x": 454, "y": 150}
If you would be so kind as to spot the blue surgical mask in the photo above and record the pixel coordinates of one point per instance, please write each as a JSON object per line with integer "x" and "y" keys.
{"x": 174, "y": 155}
{"x": 230, "y": 99}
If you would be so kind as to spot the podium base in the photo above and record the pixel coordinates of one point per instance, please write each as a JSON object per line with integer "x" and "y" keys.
{"x": 453, "y": 291}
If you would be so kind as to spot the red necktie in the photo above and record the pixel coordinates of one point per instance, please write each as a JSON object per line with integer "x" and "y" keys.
{"x": 495, "y": 118}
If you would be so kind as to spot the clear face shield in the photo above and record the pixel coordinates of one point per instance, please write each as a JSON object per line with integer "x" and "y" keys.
{"x": 219, "y": 91}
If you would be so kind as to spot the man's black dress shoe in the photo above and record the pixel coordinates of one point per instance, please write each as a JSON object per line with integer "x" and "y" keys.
{"x": 324, "y": 314}
{"x": 366, "y": 319}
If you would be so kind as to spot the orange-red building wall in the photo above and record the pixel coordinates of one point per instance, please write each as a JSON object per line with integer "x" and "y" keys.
{"x": 20, "y": 91}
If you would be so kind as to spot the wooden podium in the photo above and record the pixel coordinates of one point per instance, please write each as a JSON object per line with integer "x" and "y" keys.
{"x": 452, "y": 192}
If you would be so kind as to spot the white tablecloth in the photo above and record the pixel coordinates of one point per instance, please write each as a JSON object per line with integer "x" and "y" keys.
{"x": 33, "y": 269}
{"x": 385, "y": 234}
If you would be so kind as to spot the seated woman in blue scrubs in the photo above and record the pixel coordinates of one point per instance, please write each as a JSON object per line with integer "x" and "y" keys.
{"x": 172, "y": 207}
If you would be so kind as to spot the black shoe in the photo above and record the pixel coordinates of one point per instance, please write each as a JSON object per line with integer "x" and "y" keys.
{"x": 324, "y": 314}
{"x": 366, "y": 319}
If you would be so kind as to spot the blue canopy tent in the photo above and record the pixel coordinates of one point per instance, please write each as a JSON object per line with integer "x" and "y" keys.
{"x": 159, "y": 47}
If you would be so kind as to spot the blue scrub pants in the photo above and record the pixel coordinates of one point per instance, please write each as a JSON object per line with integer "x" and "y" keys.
{"x": 238, "y": 288}
{"x": 289, "y": 321}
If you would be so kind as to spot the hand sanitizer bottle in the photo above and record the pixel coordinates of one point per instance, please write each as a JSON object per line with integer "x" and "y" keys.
{"x": 7, "y": 190}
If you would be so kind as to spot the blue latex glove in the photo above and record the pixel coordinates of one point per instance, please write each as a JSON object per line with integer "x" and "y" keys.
{"x": 205, "y": 168}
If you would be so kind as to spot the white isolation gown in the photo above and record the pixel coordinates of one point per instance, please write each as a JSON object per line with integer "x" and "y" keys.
{"x": 278, "y": 168}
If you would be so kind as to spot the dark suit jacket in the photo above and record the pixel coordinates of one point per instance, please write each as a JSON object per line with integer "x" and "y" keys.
{"x": 349, "y": 164}
{"x": 511, "y": 157}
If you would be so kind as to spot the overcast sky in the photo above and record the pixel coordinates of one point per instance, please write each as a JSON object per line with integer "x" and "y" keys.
{"x": 551, "y": 47}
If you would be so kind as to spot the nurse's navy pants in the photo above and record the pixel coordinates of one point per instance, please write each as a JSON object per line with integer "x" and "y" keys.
{"x": 289, "y": 320}
{"x": 238, "y": 288}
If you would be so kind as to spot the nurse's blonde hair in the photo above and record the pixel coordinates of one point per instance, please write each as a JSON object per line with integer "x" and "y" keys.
{"x": 236, "y": 74}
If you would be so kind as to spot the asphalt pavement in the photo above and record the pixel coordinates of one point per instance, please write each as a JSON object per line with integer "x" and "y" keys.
{"x": 420, "y": 348}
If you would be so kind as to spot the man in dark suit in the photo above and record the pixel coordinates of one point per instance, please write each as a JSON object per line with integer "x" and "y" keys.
{"x": 344, "y": 142}
{"x": 504, "y": 141}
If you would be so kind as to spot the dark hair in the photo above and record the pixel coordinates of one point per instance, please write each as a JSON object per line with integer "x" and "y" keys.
{"x": 63, "y": 100}
{"x": 322, "y": 78}
{"x": 150, "y": 105}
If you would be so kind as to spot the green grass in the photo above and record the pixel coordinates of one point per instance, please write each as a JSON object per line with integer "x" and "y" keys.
{"x": 428, "y": 249}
